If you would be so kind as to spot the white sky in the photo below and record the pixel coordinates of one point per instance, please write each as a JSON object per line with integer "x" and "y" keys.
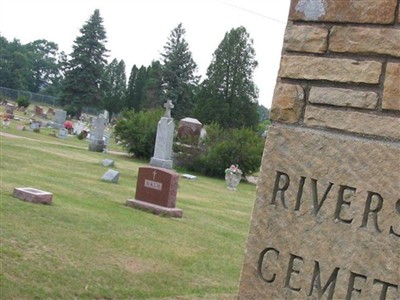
{"x": 137, "y": 30}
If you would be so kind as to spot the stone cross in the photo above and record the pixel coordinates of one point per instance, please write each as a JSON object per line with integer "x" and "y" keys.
{"x": 168, "y": 106}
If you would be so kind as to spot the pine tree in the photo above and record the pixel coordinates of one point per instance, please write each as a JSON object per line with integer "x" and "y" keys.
{"x": 130, "y": 91}
{"x": 178, "y": 73}
{"x": 228, "y": 96}
{"x": 114, "y": 87}
{"x": 153, "y": 86}
{"x": 85, "y": 71}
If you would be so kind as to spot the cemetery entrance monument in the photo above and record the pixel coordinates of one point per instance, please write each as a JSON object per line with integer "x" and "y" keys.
{"x": 157, "y": 185}
{"x": 326, "y": 218}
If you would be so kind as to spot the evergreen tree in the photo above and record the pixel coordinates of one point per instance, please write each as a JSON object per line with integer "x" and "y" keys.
{"x": 153, "y": 86}
{"x": 135, "y": 91}
{"x": 130, "y": 91}
{"x": 228, "y": 96}
{"x": 144, "y": 87}
{"x": 85, "y": 71}
{"x": 114, "y": 87}
{"x": 178, "y": 74}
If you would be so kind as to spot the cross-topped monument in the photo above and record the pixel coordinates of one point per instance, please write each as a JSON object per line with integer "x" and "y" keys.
{"x": 165, "y": 134}
{"x": 168, "y": 106}
{"x": 157, "y": 186}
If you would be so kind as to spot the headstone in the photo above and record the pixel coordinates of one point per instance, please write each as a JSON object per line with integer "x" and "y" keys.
{"x": 189, "y": 130}
{"x": 35, "y": 125}
{"x": 326, "y": 218}
{"x": 62, "y": 133}
{"x": 107, "y": 162}
{"x": 38, "y": 110}
{"x": 10, "y": 108}
{"x": 111, "y": 176}
{"x": 6, "y": 123}
{"x": 164, "y": 139}
{"x": 50, "y": 112}
{"x": 79, "y": 127}
{"x": 156, "y": 190}
{"x": 96, "y": 143}
{"x": 59, "y": 118}
{"x": 20, "y": 127}
{"x": 33, "y": 195}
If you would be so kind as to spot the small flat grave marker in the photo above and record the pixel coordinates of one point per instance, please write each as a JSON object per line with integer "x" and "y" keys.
{"x": 107, "y": 162}
{"x": 111, "y": 176}
{"x": 33, "y": 195}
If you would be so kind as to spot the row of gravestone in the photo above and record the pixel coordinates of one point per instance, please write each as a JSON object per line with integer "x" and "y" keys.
{"x": 157, "y": 185}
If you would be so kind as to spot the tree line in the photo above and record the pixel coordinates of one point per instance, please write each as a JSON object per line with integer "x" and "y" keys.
{"x": 85, "y": 78}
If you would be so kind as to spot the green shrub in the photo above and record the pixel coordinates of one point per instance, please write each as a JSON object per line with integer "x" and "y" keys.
{"x": 137, "y": 131}
{"x": 222, "y": 148}
{"x": 23, "y": 101}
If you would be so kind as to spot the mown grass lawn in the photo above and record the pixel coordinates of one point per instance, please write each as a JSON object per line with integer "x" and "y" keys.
{"x": 89, "y": 245}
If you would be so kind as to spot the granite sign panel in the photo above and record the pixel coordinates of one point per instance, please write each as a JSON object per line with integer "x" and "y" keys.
{"x": 326, "y": 218}
{"x": 328, "y": 224}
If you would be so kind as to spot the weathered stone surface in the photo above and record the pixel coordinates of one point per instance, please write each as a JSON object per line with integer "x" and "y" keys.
{"x": 343, "y": 97}
{"x": 354, "y": 122}
{"x": 355, "y": 11}
{"x": 33, "y": 195}
{"x": 365, "y": 40}
{"x": 340, "y": 70}
{"x": 306, "y": 39}
{"x": 163, "y": 148}
{"x": 288, "y": 103}
{"x": 111, "y": 176}
{"x": 328, "y": 229}
{"x": 391, "y": 90}
{"x": 107, "y": 162}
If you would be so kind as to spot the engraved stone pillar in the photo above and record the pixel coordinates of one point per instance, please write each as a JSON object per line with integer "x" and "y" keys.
{"x": 165, "y": 135}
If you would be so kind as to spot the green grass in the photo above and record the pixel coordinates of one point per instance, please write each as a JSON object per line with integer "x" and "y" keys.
{"x": 89, "y": 245}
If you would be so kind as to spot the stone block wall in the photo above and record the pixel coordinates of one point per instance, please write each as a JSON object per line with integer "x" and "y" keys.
{"x": 340, "y": 67}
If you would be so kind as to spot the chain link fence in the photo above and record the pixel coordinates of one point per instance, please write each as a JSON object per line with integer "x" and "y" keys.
{"x": 13, "y": 95}
{"x": 39, "y": 99}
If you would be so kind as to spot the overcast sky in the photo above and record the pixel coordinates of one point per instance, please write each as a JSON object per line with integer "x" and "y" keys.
{"x": 137, "y": 30}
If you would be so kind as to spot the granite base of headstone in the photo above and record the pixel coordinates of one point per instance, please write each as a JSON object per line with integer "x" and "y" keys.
{"x": 111, "y": 176}
{"x": 156, "y": 191}
{"x": 33, "y": 195}
{"x": 96, "y": 145}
